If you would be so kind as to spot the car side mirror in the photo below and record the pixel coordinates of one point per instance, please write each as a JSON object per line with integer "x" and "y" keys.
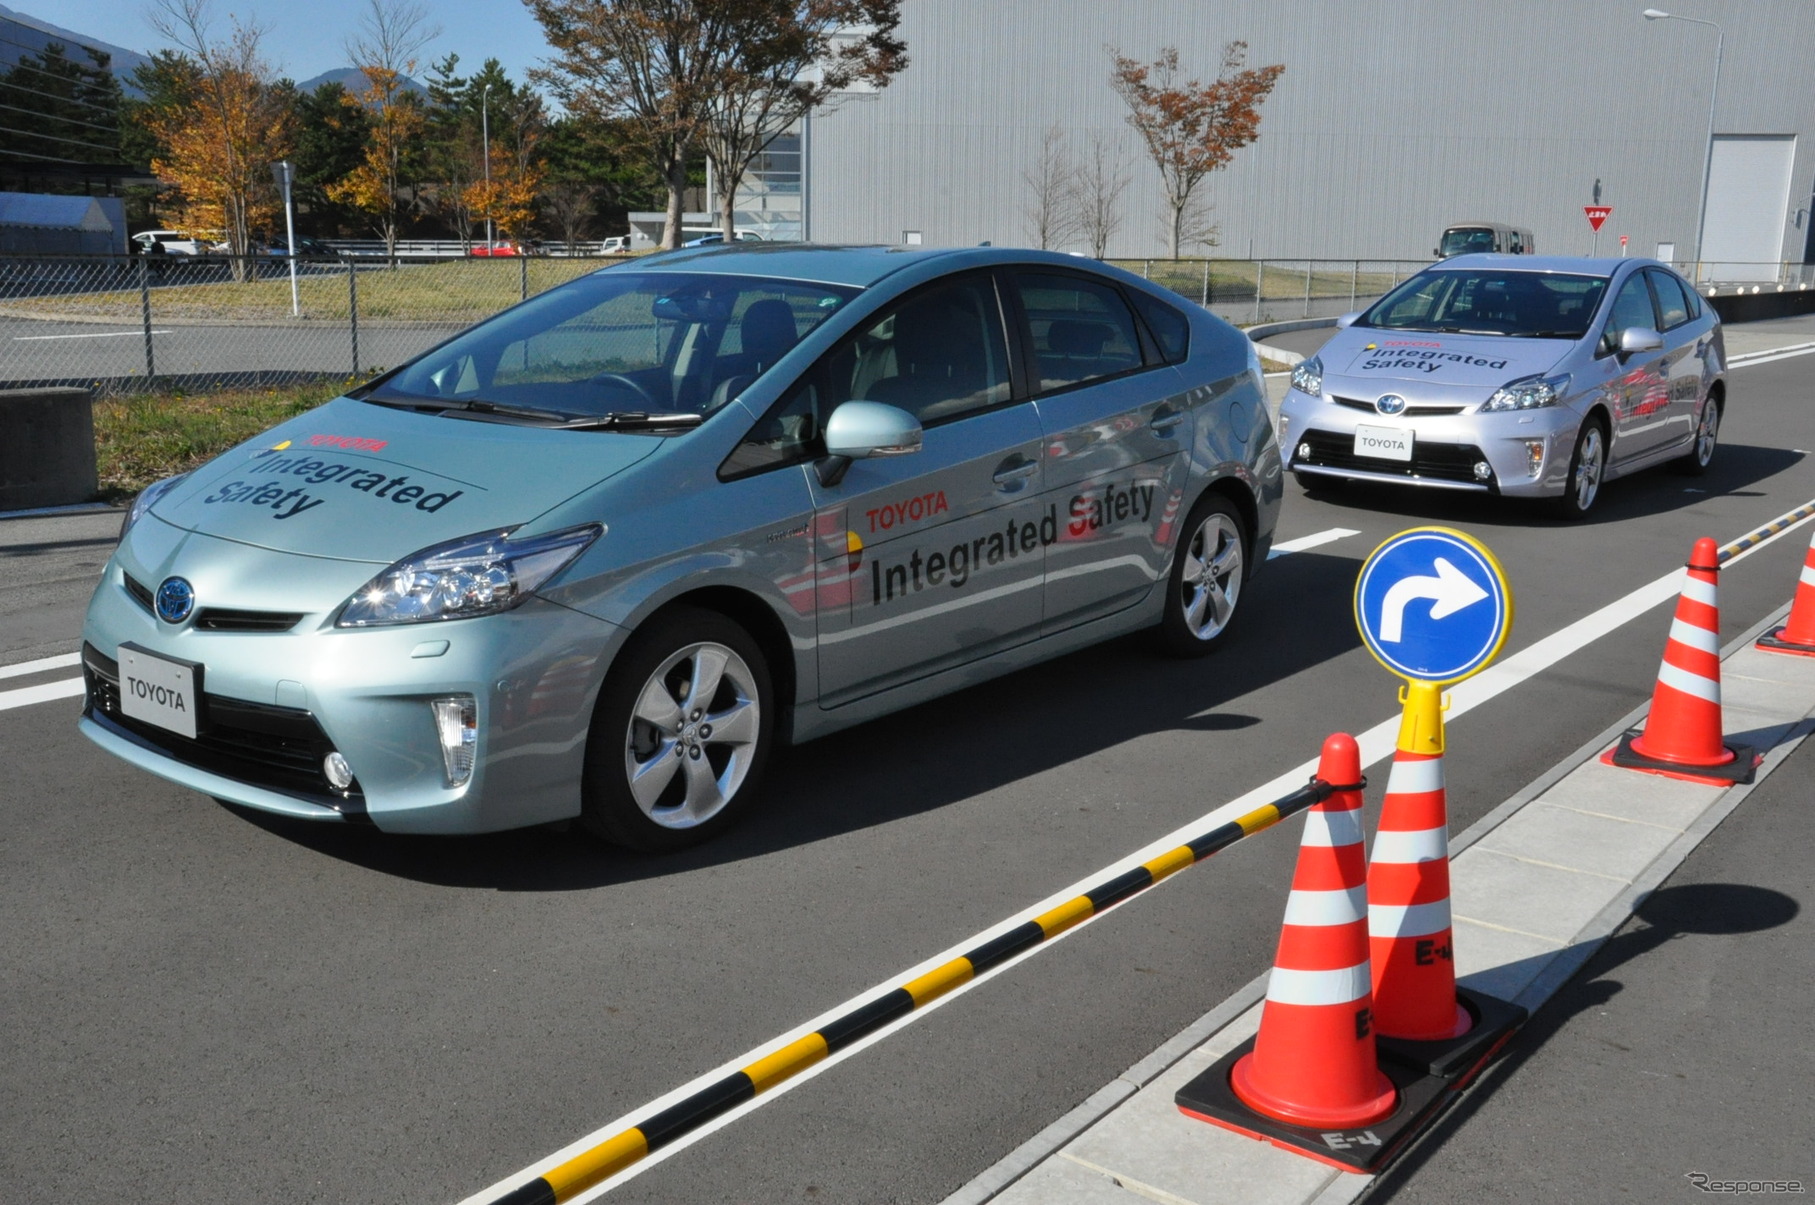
{"x": 861, "y": 430}
{"x": 1347, "y": 320}
{"x": 1637, "y": 339}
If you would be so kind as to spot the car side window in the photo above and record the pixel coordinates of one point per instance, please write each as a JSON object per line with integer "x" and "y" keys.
{"x": 1673, "y": 310}
{"x": 1082, "y": 330}
{"x": 1171, "y": 330}
{"x": 940, "y": 355}
{"x": 1631, "y": 308}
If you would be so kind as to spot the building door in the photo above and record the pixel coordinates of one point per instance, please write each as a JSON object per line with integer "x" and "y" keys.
{"x": 1748, "y": 206}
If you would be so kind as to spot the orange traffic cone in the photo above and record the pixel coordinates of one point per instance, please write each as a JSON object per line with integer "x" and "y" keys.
{"x": 1682, "y": 734}
{"x": 1313, "y": 1062}
{"x": 1798, "y": 635}
{"x": 1408, "y": 907}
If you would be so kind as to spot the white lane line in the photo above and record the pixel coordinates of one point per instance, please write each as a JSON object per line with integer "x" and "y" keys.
{"x": 1766, "y": 357}
{"x": 27, "y": 695}
{"x": 61, "y": 661}
{"x": 1377, "y": 744}
{"x": 1302, "y": 543}
{"x": 97, "y": 335}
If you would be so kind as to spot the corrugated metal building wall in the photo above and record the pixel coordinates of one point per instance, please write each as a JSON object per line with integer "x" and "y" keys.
{"x": 1392, "y": 120}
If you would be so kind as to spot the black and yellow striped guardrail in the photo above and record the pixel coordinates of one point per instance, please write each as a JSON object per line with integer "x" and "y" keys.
{"x": 583, "y": 1171}
{"x": 1766, "y": 532}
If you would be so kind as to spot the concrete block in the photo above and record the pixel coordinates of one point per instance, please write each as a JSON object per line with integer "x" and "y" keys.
{"x": 1525, "y": 897}
{"x": 1497, "y": 962}
{"x": 1061, "y": 1181}
{"x": 1630, "y": 795}
{"x": 1580, "y": 841}
{"x": 47, "y": 448}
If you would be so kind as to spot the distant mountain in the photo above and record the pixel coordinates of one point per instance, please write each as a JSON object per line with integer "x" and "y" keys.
{"x": 21, "y": 35}
{"x": 352, "y": 79}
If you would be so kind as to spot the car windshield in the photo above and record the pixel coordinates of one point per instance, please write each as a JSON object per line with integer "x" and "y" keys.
{"x": 617, "y": 343}
{"x": 1490, "y": 301}
{"x": 1463, "y": 239}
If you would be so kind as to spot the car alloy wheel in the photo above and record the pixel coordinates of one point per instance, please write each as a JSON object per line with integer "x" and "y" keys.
{"x": 1208, "y": 573}
{"x": 688, "y": 717}
{"x": 1707, "y": 434}
{"x": 1586, "y": 467}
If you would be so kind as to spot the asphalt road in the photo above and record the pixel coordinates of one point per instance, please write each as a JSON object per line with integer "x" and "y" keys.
{"x": 210, "y": 1005}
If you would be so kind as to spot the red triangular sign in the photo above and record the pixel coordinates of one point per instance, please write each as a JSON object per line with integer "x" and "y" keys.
{"x": 1596, "y": 215}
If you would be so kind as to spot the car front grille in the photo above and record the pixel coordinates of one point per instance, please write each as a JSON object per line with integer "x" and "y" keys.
{"x": 1430, "y": 460}
{"x": 1414, "y": 409}
{"x": 220, "y": 619}
{"x": 279, "y": 748}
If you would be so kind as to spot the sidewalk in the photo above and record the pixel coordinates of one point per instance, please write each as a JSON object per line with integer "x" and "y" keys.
{"x": 1539, "y": 885}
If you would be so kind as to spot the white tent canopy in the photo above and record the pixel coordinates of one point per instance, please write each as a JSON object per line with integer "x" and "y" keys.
{"x": 32, "y": 223}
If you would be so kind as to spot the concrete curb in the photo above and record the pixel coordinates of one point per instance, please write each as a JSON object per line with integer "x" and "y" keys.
{"x": 1258, "y": 335}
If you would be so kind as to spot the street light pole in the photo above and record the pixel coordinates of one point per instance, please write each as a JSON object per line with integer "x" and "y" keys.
{"x": 485, "y": 133}
{"x": 285, "y": 174}
{"x": 1720, "y": 43}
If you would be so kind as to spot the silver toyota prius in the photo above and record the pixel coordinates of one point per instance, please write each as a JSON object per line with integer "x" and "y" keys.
{"x": 595, "y": 556}
{"x": 1517, "y": 375}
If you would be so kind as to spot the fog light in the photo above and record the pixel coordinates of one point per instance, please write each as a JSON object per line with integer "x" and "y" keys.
{"x": 1534, "y": 456}
{"x": 339, "y": 774}
{"x": 457, "y": 724}
{"x": 1483, "y": 471}
{"x": 1304, "y": 451}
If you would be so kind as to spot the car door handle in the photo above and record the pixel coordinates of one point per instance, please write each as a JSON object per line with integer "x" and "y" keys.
{"x": 1165, "y": 420}
{"x": 1015, "y": 474}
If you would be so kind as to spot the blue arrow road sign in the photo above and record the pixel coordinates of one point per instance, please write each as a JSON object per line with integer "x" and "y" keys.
{"x": 1433, "y": 605}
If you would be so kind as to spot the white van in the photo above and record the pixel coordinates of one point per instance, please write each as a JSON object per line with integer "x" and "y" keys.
{"x": 1468, "y": 238}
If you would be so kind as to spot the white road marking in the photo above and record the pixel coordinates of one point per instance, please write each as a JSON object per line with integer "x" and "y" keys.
{"x": 1766, "y": 357}
{"x": 97, "y": 335}
{"x": 1305, "y": 543}
{"x": 62, "y": 661}
{"x": 1377, "y": 744}
{"x": 27, "y": 695}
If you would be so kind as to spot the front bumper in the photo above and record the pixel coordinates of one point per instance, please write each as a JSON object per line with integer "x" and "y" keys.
{"x": 1317, "y": 437}
{"x": 276, "y": 702}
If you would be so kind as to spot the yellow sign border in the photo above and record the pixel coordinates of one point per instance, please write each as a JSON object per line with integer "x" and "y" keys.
{"x": 1493, "y": 563}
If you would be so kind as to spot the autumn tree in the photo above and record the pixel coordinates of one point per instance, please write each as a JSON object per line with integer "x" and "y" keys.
{"x": 649, "y": 65}
{"x": 1051, "y": 213}
{"x": 390, "y": 34}
{"x": 506, "y": 194}
{"x": 786, "y": 59}
{"x": 1191, "y": 128}
{"x": 225, "y": 125}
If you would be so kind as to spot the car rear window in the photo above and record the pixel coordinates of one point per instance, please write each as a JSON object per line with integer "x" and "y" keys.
{"x": 1480, "y": 301}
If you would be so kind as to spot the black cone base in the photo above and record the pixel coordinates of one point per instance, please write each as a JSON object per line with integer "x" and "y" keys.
{"x": 1459, "y": 1057}
{"x": 1363, "y": 1149}
{"x": 1775, "y": 643}
{"x": 1739, "y": 770}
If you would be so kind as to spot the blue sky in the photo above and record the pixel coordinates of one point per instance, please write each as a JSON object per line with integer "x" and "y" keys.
{"x": 304, "y": 37}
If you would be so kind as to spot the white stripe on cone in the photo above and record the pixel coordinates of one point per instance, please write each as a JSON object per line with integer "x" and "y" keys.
{"x": 1677, "y": 678}
{"x": 1807, "y": 577}
{"x": 1332, "y": 828}
{"x": 1321, "y": 908}
{"x": 1411, "y": 845}
{"x": 1408, "y": 920}
{"x": 1343, "y": 986}
{"x": 1415, "y": 777}
{"x": 1696, "y": 590}
{"x": 1700, "y": 639}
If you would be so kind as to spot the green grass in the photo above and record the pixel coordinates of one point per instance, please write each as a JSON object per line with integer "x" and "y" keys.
{"x": 141, "y": 438}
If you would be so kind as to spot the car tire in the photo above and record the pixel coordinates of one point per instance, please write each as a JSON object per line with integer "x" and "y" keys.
{"x": 1700, "y": 455}
{"x": 1204, "y": 587}
{"x": 680, "y": 734}
{"x": 1587, "y": 471}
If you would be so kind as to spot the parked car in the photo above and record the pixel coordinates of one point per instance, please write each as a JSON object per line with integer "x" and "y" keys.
{"x": 617, "y": 244}
{"x": 310, "y": 249}
{"x": 168, "y": 242}
{"x": 707, "y": 240}
{"x": 1521, "y": 376}
{"x": 495, "y": 249}
{"x": 1468, "y": 238}
{"x": 597, "y": 555}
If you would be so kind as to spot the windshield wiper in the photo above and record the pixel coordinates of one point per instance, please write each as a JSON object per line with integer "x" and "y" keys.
{"x": 633, "y": 420}
{"x": 1463, "y": 330}
{"x": 475, "y": 406}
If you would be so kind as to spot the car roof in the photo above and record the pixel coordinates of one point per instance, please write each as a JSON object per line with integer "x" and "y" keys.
{"x": 827, "y": 264}
{"x": 1581, "y": 265}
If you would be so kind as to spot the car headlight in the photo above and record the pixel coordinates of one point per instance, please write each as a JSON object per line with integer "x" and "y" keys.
{"x": 475, "y": 575}
{"x": 1528, "y": 393}
{"x": 1307, "y": 377}
{"x": 147, "y": 496}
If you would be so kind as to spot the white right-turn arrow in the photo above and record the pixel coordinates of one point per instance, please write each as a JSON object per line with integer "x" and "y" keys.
{"x": 1449, "y": 592}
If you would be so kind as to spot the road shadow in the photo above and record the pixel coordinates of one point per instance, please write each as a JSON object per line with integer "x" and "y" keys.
{"x": 1655, "y": 491}
{"x": 923, "y": 758}
{"x": 1702, "y": 909}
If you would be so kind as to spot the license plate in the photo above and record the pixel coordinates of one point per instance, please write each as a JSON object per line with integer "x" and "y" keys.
{"x": 158, "y": 690}
{"x": 1384, "y": 443}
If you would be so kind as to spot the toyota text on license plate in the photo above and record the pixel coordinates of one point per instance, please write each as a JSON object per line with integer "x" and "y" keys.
{"x": 157, "y": 690}
{"x": 1384, "y": 443}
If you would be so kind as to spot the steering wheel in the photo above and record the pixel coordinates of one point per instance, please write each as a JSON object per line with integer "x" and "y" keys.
{"x": 624, "y": 382}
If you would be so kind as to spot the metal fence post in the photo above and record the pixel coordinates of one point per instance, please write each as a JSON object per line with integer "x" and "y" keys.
{"x": 1307, "y": 312}
{"x": 151, "y": 364}
{"x": 522, "y": 278}
{"x": 353, "y": 311}
{"x": 1354, "y": 282}
{"x": 1260, "y": 270}
{"x": 1206, "y": 302}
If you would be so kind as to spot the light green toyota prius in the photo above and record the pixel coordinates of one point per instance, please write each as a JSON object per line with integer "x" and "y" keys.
{"x": 595, "y": 556}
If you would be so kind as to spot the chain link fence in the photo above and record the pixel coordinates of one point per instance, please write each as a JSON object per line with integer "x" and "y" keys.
{"x": 137, "y": 323}
{"x": 141, "y": 323}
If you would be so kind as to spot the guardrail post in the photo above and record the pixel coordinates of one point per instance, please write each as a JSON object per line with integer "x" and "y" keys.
{"x": 151, "y": 364}
{"x": 353, "y": 311}
{"x": 522, "y": 278}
